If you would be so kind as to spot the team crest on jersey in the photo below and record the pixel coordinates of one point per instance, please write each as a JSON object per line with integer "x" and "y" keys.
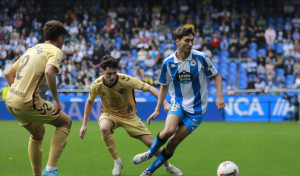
{"x": 184, "y": 77}
{"x": 193, "y": 62}
{"x": 173, "y": 65}
{"x": 121, "y": 91}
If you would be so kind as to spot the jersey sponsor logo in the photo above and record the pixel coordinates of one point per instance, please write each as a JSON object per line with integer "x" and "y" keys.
{"x": 184, "y": 77}
{"x": 39, "y": 49}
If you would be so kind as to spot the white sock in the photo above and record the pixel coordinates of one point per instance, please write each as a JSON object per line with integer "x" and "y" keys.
{"x": 118, "y": 160}
{"x": 50, "y": 168}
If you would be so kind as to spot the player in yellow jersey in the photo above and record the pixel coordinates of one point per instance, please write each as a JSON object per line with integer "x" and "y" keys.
{"x": 119, "y": 109}
{"x": 26, "y": 78}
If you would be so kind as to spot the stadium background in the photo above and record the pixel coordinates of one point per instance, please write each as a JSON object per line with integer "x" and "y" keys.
{"x": 254, "y": 45}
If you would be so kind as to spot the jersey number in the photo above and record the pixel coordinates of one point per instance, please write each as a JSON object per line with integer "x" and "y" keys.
{"x": 23, "y": 64}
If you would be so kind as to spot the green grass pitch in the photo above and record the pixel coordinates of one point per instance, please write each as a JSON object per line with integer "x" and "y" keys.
{"x": 259, "y": 149}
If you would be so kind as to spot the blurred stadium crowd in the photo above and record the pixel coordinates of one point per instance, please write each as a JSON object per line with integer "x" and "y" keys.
{"x": 254, "y": 44}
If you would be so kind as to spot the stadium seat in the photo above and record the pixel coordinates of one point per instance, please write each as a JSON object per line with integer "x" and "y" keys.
{"x": 263, "y": 52}
{"x": 279, "y": 72}
{"x": 279, "y": 48}
{"x": 224, "y": 53}
{"x": 253, "y": 54}
{"x": 253, "y": 46}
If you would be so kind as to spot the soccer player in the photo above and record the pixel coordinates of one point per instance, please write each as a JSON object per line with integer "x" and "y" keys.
{"x": 119, "y": 109}
{"x": 184, "y": 74}
{"x": 26, "y": 78}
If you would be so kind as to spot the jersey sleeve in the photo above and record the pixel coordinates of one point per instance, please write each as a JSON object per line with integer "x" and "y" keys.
{"x": 17, "y": 63}
{"x": 135, "y": 83}
{"x": 209, "y": 68}
{"x": 55, "y": 58}
{"x": 93, "y": 93}
{"x": 164, "y": 78}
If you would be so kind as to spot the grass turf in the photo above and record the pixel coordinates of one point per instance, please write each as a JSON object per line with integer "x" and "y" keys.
{"x": 266, "y": 149}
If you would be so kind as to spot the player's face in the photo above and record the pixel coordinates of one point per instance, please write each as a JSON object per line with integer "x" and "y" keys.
{"x": 110, "y": 75}
{"x": 185, "y": 44}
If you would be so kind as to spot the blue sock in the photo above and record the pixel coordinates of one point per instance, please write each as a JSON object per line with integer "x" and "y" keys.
{"x": 156, "y": 144}
{"x": 161, "y": 159}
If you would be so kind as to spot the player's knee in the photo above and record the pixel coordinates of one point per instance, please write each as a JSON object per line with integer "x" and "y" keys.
{"x": 168, "y": 132}
{"x": 39, "y": 133}
{"x": 105, "y": 131}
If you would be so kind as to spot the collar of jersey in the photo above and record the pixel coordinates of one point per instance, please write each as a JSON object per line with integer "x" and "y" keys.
{"x": 110, "y": 86}
{"x": 176, "y": 59}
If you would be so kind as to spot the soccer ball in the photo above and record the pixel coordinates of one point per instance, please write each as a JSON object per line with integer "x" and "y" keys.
{"x": 228, "y": 168}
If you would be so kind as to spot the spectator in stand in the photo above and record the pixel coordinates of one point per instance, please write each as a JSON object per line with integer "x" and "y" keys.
{"x": 261, "y": 21}
{"x": 231, "y": 90}
{"x": 260, "y": 37}
{"x": 280, "y": 84}
{"x": 261, "y": 60}
{"x": 233, "y": 54}
{"x": 251, "y": 83}
{"x": 296, "y": 34}
{"x": 224, "y": 28}
{"x": 270, "y": 86}
{"x": 168, "y": 51}
{"x": 224, "y": 45}
{"x": 259, "y": 85}
{"x": 149, "y": 63}
{"x": 289, "y": 67}
{"x": 288, "y": 48}
{"x": 297, "y": 66}
{"x": 296, "y": 21}
{"x": 233, "y": 29}
{"x": 271, "y": 54}
{"x": 297, "y": 81}
{"x": 251, "y": 67}
{"x": 261, "y": 70}
{"x": 270, "y": 70}
{"x": 142, "y": 55}
{"x": 207, "y": 29}
{"x": 233, "y": 40}
{"x": 215, "y": 43}
{"x": 279, "y": 63}
{"x": 251, "y": 29}
{"x": 281, "y": 34}
{"x": 31, "y": 40}
{"x": 134, "y": 41}
{"x": 124, "y": 49}
{"x": 153, "y": 42}
{"x": 207, "y": 51}
{"x": 243, "y": 40}
{"x": 143, "y": 42}
{"x": 243, "y": 55}
{"x": 109, "y": 26}
{"x": 270, "y": 35}
{"x": 138, "y": 73}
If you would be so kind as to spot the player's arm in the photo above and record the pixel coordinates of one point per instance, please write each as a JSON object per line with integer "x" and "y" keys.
{"x": 218, "y": 83}
{"x": 50, "y": 73}
{"x": 161, "y": 98}
{"x": 155, "y": 93}
{"x": 87, "y": 111}
{"x": 10, "y": 75}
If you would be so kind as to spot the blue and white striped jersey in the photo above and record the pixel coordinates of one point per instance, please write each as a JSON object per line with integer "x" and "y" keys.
{"x": 187, "y": 80}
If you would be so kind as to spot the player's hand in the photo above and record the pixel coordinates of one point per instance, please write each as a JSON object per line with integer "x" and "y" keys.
{"x": 220, "y": 102}
{"x": 152, "y": 117}
{"x": 57, "y": 108}
{"x": 82, "y": 131}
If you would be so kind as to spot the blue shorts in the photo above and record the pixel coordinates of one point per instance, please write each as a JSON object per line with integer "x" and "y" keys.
{"x": 191, "y": 121}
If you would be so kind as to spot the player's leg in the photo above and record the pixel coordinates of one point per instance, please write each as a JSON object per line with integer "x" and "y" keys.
{"x": 147, "y": 140}
{"x": 167, "y": 153}
{"x": 172, "y": 121}
{"x": 106, "y": 126}
{"x": 171, "y": 124}
{"x": 35, "y": 150}
{"x": 58, "y": 141}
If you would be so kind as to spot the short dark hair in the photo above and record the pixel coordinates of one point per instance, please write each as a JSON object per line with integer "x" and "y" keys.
{"x": 54, "y": 29}
{"x": 109, "y": 61}
{"x": 183, "y": 31}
